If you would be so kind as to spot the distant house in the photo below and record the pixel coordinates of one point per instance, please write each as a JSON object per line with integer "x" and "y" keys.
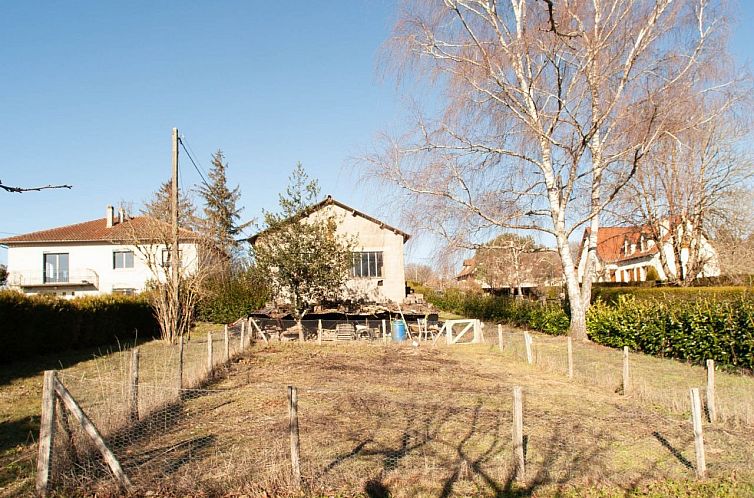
{"x": 107, "y": 255}
{"x": 377, "y": 272}
{"x": 627, "y": 254}
{"x": 529, "y": 270}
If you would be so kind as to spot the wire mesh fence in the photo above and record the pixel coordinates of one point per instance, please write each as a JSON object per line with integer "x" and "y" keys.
{"x": 371, "y": 435}
{"x": 189, "y": 439}
{"x": 655, "y": 381}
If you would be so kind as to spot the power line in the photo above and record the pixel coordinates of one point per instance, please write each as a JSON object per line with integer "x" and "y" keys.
{"x": 196, "y": 167}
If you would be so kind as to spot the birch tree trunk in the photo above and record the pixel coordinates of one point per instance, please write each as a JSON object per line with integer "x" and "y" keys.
{"x": 542, "y": 104}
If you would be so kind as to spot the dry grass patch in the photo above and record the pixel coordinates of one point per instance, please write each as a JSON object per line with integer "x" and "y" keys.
{"x": 406, "y": 421}
{"x": 418, "y": 422}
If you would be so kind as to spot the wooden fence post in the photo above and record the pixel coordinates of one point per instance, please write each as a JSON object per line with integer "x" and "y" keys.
{"x": 500, "y": 336}
{"x": 133, "y": 392}
{"x": 570, "y": 358}
{"x": 319, "y": 332}
{"x": 626, "y": 373}
{"x": 243, "y": 336}
{"x": 527, "y": 343}
{"x": 226, "y": 352}
{"x": 93, "y": 433}
{"x": 46, "y": 434}
{"x": 518, "y": 434}
{"x": 180, "y": 361}
{"x": 696, "y": 417}
{"x": 711, "y": 407}
{"x": 209, "y": 353}
{"x": 293, "y": 425}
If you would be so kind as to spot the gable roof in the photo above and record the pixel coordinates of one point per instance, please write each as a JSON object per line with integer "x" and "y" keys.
{"x": 132, "y": 229}
{"x": 329, "y": 201}
{"x": 610, "y": 243}
{"x": 468, "y": 268}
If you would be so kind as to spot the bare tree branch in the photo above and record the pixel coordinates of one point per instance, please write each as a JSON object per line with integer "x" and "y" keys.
{"x": 20, "y": 190}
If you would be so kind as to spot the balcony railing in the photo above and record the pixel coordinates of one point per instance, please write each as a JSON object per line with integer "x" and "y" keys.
{"x": 76, "y": 278}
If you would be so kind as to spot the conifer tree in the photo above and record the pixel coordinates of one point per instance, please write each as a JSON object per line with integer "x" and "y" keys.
{"x": 160, "y": 206}
{"x": 221, "y": 213}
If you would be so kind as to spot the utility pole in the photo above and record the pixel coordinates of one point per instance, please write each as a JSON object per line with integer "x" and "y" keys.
{"x": 174, "y": 253}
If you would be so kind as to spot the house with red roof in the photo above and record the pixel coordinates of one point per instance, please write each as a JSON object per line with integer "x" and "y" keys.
{"x": 108, "y": 255}
{"x": 629, "y": 254}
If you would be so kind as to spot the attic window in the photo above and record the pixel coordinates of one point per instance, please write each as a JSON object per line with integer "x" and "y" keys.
{"x": 625, "y": 246}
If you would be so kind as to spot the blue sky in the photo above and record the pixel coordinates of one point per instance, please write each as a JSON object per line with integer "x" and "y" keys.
{"x": 89, "y": 93}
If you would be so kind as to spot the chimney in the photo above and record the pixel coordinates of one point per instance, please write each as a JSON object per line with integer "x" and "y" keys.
{"x": 109, "y": 217}
{"x": 121, "y": 215}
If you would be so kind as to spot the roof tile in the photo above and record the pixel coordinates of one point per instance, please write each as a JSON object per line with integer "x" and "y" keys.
{"x": 136, "y": 228}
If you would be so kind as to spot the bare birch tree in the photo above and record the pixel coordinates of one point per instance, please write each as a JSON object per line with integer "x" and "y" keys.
{"x": 682, "y": 195}
{"x": 539, "y": 103}
{"x": 734, "y": 239}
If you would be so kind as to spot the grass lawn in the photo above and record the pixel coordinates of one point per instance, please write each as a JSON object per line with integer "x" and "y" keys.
{"x": 393, "y": 420}
{"x": 21, "y": 388}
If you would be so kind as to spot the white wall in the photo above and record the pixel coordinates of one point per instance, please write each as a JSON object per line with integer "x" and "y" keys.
{"x": 86, "y": 259}
{"x": 370, "y": 237}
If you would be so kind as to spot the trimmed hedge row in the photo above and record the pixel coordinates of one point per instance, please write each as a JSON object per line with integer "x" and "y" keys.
{"x": 719, "y": 326}
{"x": 692, "y": 331}
{"x": 34, "y": 325}
{"x": 611, "y": 294}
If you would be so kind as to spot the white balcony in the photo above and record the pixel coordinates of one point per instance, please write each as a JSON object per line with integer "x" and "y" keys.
{"x": 75, "y": 278}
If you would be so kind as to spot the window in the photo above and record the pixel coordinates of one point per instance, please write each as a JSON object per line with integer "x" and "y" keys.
{"x": 124, "y": 291}
{"x": 166, "y": 254}
{"x": 123, "y": 259}
{"x": 367, "y": 264}
{"x": 55, "y": 268}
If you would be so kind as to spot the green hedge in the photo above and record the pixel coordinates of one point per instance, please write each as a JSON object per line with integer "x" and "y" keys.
{"x": 230, "y": 297}
{"x": 716, "y": 324}
{"x": 611, "y": 294}
{"x": 722, "y": 330}
{"x": 547, "y": 317}
{"x": 34, "y": 325}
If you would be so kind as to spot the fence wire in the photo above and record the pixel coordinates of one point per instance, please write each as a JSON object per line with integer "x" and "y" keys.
{"x": 193, "y": 439}
{"x": 215, "y": 436}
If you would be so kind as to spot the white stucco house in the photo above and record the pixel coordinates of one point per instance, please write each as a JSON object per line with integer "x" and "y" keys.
{"x": 377, "y": 273}
{"x": 107, "y": 255}
{"x": 625, "y": 254}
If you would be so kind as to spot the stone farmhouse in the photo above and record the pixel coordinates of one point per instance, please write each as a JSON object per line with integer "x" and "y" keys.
{"x": 117, "y": 255}
{"x": 626, "y": 254}
{"x": 378, "y": 272}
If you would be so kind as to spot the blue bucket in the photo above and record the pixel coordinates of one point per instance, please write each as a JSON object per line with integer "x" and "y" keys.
{"x": 399, "y": 331}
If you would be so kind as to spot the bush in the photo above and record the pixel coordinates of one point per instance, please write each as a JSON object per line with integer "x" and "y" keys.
{"x": 687, "y": 330}
{"x": 34, "y": 325}
{"x": 230, "y": 297}
{"x": 546, "y": 317}
{"x": 688, "y": 324}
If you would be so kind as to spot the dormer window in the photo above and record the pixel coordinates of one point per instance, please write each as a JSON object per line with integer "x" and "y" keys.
{"x": 625, "y": 247}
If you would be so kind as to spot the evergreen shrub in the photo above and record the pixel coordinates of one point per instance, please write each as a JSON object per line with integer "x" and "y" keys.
{"x": 35, "y": 325}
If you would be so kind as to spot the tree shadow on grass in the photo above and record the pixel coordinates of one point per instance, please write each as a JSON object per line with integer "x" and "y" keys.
{"x": 471, "y": 454}
{"x": 30, "y": 367}
{"x": 132, "y": 445}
